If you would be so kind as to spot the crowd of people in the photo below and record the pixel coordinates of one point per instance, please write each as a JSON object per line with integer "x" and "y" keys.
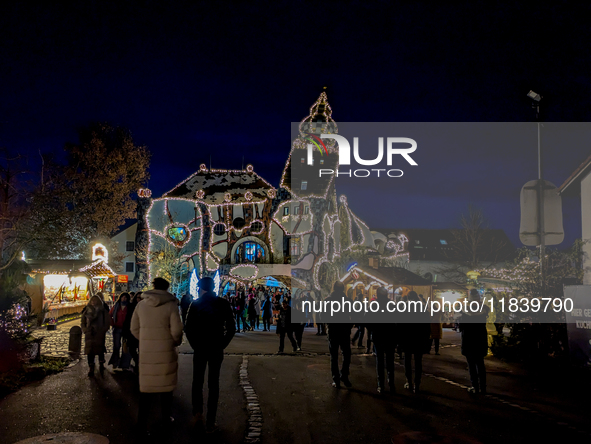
{"x": 148, "y": 327}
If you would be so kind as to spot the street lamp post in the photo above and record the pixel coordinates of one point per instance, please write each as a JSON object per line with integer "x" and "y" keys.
{"x": 536, "y": 98}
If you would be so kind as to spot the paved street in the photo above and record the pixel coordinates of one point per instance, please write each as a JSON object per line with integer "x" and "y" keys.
{"x": 290, "y": 400}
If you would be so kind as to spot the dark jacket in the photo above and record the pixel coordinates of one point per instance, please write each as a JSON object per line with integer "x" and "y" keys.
{"x": 126, "y": 330}
{"x": 384, "y": 334}
{"x": 474, "y": 333}
{"x": 340, "y": 324}
{"x": 95, "y": 322}
{"x": 267, "y": 307}
{"x": 210, "y": 323}
{"x": 284, "y": 321}
{"x": 185, "y": 304}
{"x": 415, "y": 332}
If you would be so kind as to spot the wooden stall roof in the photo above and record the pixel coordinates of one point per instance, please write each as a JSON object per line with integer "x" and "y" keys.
{"x": 98, "y": 268}
{"x": 449, "y": 286}
{"x": 402, "y": 276}
{"x": 56, "y": 266}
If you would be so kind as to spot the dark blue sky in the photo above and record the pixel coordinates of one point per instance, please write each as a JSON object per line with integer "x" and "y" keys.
{"x": 194, "y": 81}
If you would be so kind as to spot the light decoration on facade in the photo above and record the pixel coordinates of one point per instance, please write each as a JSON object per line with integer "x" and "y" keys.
{"x": 163, "y": 235}
{"x": 170, "y": 238}
{"x": 237, "y": 267}
{"x": 376, "y": 279}
{"x": 248, "y": 196}
{"x": 262, "y": 226}
{"x": 272, "y": 193}
{"x": 144, "y": 192}
{"x": 99, "y": 251}
{"x": 249, "y": 168}
{"x": 368, "y": 286}
{"x": 200, "y": 194}
{"x": 214, "y": 259}
{"x": 194, "y": 284}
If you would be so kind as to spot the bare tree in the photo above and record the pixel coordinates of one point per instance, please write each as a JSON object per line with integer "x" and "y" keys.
{"x": 473, "y": 246}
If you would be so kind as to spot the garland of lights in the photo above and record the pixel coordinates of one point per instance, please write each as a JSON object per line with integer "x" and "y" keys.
{"x": 256, "y": 271}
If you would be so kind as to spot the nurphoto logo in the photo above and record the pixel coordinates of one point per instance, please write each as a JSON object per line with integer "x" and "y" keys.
{"x": 393, "y": 148}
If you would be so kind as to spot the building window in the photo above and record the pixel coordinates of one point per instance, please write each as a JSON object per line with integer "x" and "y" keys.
{"x": 304, "y": 185}
{"x": 303, "y": 160}
{"x": 294, "y": 247}
{"x": 321, "y": 161}
{"x": 129, "y": 246}
{"x": 129, "y": 267}
{"x": 286, "y": 211}
{"x": 256, "y": 227}
{"x": 296, "y": 210}
{"x": 443, "y": 241}
{"x": 306, "y": 209}
{"x": 250, "y": 252}
{"x": 219, "y": 229}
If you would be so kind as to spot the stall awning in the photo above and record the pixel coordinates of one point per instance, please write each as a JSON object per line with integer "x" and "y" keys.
{"x": 98, "y": 269}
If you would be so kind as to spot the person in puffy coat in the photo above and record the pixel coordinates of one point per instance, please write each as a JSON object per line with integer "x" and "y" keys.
{"x": 157, "y": 324}
{"x": 95, "y": 323}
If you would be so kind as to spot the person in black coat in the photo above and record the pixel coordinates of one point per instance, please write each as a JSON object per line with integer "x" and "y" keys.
{"x": 284, "y": 327}
{"x": 267, "y": 312}
{"x": 130, "y": 340}
{"x": 339, "y": 336}
{"x": 185, "y": 304}
{"x": 385, "y": 339}
{"x": 415, "y": 336}
{"x": 475, "y": 343}
{"x": 209, "y": 329}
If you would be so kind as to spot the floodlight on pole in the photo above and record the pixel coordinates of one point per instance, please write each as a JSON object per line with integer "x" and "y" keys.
{"x": 534, "y": 96}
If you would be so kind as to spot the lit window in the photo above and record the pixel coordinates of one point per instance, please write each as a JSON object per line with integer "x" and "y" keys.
{"x": 303, "y": 160}
{"x": 296, "y": 210}
{"x": 286, "y": 211}
{"x": 250, "y": 252}
{"x": 443, "y": 241}
{"x": 304, "y": 185}
{"x": 321, "y": 161}
{"x": 306, "y": 209}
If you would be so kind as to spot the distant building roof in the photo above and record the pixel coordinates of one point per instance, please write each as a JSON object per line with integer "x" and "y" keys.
{"x": 569, "y": 187}
{"x": 437, "y": 244}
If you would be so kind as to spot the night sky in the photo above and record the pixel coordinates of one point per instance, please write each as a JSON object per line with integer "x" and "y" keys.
{"x": 219, "y": 84}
